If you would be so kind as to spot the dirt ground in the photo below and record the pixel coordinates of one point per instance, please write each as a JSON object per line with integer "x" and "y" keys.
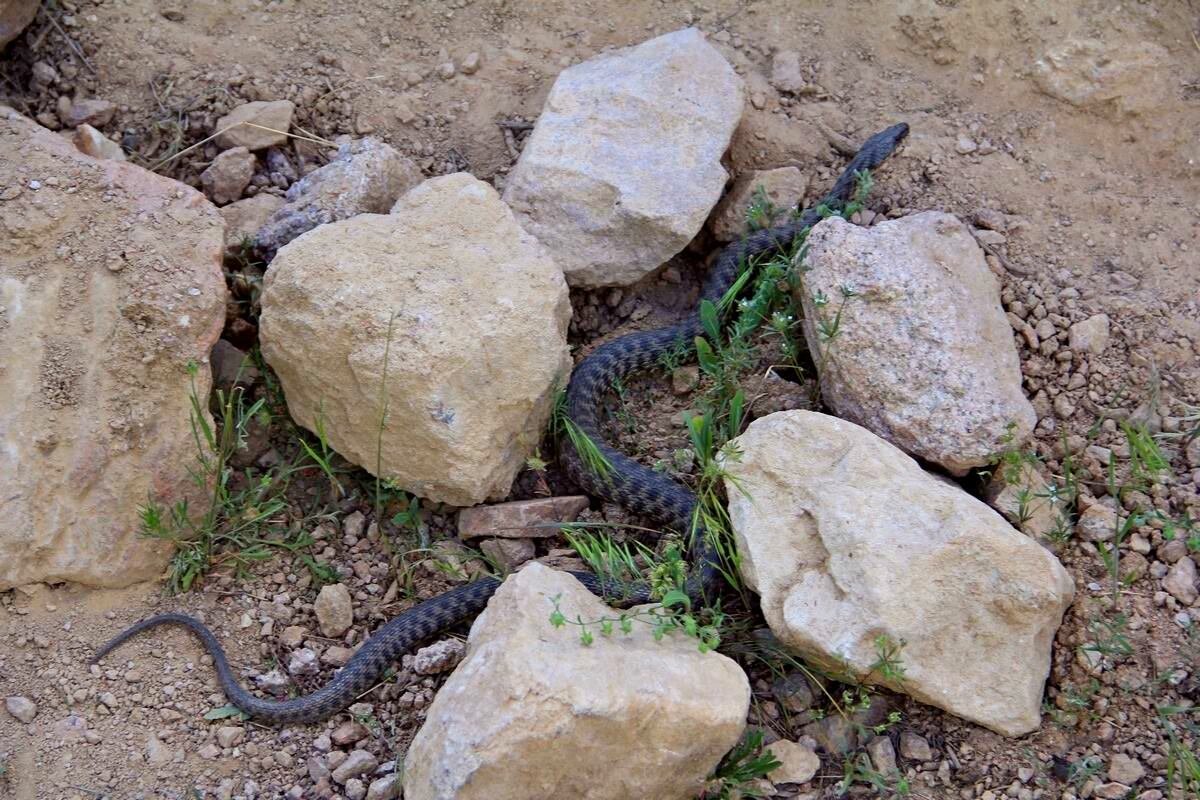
{"x": 1086, "y": 178}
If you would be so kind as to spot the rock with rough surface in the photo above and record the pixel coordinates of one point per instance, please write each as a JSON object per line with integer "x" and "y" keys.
{"x": 797, "y": 763}
{"x": 923, "y": 354}
{"x": 91, "y": 111}
{"x": 1089, "y": 73}
{"x": 15, "y": 16}
{"x": 22, "y": 708}
{"x": 228, "y": 175}
{"x": 95, "y": 144}
{"x": 471, "y": 300}
{"x": 246, "y": 126}
{"x": 111, "y": 285}
{"x": 366, "y": 177}
{"x": 1026, "y": 500}
{"x": 1181, "y": 581}
{"x": 439, "y": 657}
{"x": 782, "y": 188}
{"x": 532, "y": 714}
{"x": 624, "y": 164}
{"x": 847, "y": 540}
{"x": 1090, "y": 335}
{"x": 520, "y": 519}
{"x": 245, "y": 218}
{"x": 334, "y": 610}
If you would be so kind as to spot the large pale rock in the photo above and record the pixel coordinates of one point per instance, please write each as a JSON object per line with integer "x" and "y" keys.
{"x": 478, "y": 315}
{"x": 1093, "y": 74}
{"x": 110, "y": 284}
{"x": 923, "y": 354}
{"x": 846, "y": 539}
{"x": 532, "y": 713}
{"x": 15, "y": 15}
{"x": 624, "y": 164}
{"x": 367, "y": 176}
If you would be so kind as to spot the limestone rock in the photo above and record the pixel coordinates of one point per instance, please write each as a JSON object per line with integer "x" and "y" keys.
{"x": 95, "y": 144}
{"x": 15, "y": 16}
{"x": 110, "y": 285}
{"x": 244, "y": 218}
{"x": 786, "y": 75}
{"x": 244, "y": 126}
{"x": 533, "y": 714}
{"x": 1089, "y": 73}
{"x": 624, "y": 164}
{"x": 783, "y": 188}
{"x": 846, "y": 540}
{"x": 1090, "y": 335}
{"x": 1181, "y": 581}
{"x": 471, "y": 300}
{"x": 22, "y": 708}
{"x": 520, "y": 519}
{"x": 91, "y": 111}
{"x": 1027, "y": 501}
{"x": 366, "y": 177}
{"x": 923, "y": 353}
{"x": 334, "y": 610}
{"x": 438, "y": 657}
{"x": 797, "y": 763}
{"x": 228, "y": 175}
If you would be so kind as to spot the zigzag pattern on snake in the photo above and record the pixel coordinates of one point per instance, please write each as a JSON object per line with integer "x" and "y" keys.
{"x": 635, "y": 487}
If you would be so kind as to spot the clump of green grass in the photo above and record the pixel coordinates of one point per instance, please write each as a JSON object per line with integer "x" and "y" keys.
{"x": 243, "y": 521}
{"x": 740, "y": 769}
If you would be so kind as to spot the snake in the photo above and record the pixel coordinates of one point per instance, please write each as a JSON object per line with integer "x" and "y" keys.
{"x": 635, "y": 487}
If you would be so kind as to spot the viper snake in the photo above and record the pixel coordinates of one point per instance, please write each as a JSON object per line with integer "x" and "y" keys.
{"x": 637, "y": 488}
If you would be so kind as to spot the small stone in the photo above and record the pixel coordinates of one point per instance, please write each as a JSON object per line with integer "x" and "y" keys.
{"x": 439, "y": 657}
{"x": 334, "y": 610}
{"x": 508, "y": 553}
{"x": 22, "y": 708}
{"x": 914, "y": 747}
{"x": 835, "y": 734}
{"x": 1172, "y": 551}
{"x": 965, "y": 145}
{"x": 1097, "y": 524}
{"x": 245, "y": 125}
{"x": 797, "y": 763}
{"x": 520, "y": 519}
{"x": 446, "y": 70}
{"x": 318, "y": 767}
{"x": 228, "y": 175}
{"x": 303, "y": 662}
{"x": 794, "y": 692}
{"x": 273, "y": 682}
{"x": 355, "y": 789}
{"x": 96, "y": 113}
{"x": 782, "y": 189}
{"x": 1111, "y": 791}
{"x": 292, "y": 636}
{"x": 1126, "y": 770}
{"x": 1181, "y": 581}
{"x": 1090, "y": 335}
{"x": 786, "y": 75}
{"x": 385, "y": 788}
{"x": 359, "y": 762}
{"x": 158, "y": 754}
{"x": 337, "y": 656}
{"x": 230, "y": 736}
{"x": 883, "y": 755}
{"x": 348, "y": 733}
{"x": 323, "y": 743}
{"x": 470, "y": 64}
{"x": 95, "y": 144}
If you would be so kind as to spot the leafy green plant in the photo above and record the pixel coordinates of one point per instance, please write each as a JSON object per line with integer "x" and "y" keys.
{"x": 858, "y": 770}
{"x": 1183, "y": 763}
{"x": 741, "y": 767}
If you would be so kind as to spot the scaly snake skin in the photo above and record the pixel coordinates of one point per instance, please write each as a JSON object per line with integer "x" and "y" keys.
{"x": 635, "y": 487}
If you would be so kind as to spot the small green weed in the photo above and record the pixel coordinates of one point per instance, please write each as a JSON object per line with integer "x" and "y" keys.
{"x": 858, "y": 770}
{"x": 741, "y": 767}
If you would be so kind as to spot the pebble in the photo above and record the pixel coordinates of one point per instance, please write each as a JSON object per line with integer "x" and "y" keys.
{"x": 914, "y": 747}
{"x": 1123, "y": 769}
{"x": 210, "y": 751}
{"x": 1180, "y": 581}
{"x": 334, "y": 610}
{"x": 883, "y": 755}
{"x": 292, "y": 636}
{"x": 355, "y": 790}
{"x": 439, "y": 657}
{"x": 303, "y": 662}
{"x": 230, "y": 736}
{"x": 22, "y": 708}
{"x": 470, "y": 64}
{"x": 323, "y": 743}
{"x": 348, "y": 733}
{"x": 965, "y": 145}
{"x": 360, "y": 762}
{"x": 446, "y": 70}
{"x": 797, "y": 763}
{"x": 386, "y": 788}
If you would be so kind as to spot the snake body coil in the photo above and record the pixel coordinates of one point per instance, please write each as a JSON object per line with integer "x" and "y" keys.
{"x": 637, "y": 488}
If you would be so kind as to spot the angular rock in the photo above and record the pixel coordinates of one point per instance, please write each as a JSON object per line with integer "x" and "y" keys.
{"x": 847, "y": 540}
{"x": 95, "y": 144}
{"x": 533, "y": 714}
{"x": 303, "y": 662}
{"x": 1181, "y": 581}
{"x": 1090, "y": 73}
{"x": 508, "y": 553}
{"x": 520, "y": 519}
{"x": 348, "y": 733}
{"x": 469, "y": 298}
{"x": 1097, "y": 523}
{"x": 93, "y": 112}
{"x": 366, "y": 177}
{"x": 228, "y": 175}
{"x": 385, "y": 788}
{"x": 1126, "y": 770}
{"x": 1026, "y": 500}
{"x": 244, "y": 219}
{"x": 1090, "y": 335}
{"x": 22, "y": 708}
{"x": 334, "y": 610}
{"x": 782, "y": 188}
{"x": 786, "y": 75}
{"x": 439, "y": 657}
{"x": 914, "y": 747}
{"x": 624, "y": 164}
{"x": 797, "y": 763}
{"x": 109, "y": 291}
{"x": 15, "y": 16}
{"x": 245, "y": 125}
{"x": 359, "y": 762}
{"x": 922, "y": 354}
{"x": 230, "y": 735}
